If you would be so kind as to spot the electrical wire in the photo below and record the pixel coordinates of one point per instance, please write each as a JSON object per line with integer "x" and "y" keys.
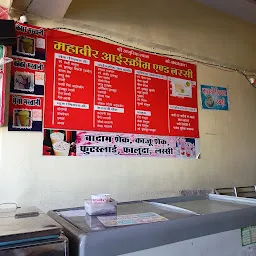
{"x": 26, "y": 9}
{"x": 190, "y": 59}
{"x": 254, "y": 86}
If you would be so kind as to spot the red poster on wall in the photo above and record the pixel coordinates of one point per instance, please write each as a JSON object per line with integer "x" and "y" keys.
{"x": 2, "y": 83}
{"x": 27, "y": 79}
{"x": 3, "y": 13}
{"x": 3, "y": 50}
{"x": 97, "y": 86}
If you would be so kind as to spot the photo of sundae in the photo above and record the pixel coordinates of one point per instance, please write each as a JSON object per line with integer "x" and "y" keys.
{"x": 24, "y": 81}
{"x": 209, "y": 101}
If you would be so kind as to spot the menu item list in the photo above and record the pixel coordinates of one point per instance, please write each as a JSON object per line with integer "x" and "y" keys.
{"x": 97, "y": 86}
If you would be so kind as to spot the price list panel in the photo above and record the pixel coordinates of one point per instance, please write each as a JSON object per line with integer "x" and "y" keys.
{"x": 97, "y": 86}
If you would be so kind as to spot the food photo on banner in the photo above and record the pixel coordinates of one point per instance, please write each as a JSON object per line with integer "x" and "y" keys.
{"x": 89, "y": 143}
{"x": 25, "y": 112}
{"x": 30, "y": 42}
{"x": 27, "y": 76}
{"x": 59, "y": 143}
{"x": 214, "y": 98}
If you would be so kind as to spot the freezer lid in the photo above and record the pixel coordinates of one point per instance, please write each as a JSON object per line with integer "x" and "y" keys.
{"x": 88, "y": 223}
{"x": 40, "y": 227}
{"x": 210, "y": 206}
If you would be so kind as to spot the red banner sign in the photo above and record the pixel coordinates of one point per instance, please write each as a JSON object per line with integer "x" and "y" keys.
{"x": 3, "y": 50}
{"x": 2, "y": 84}
{"x": 27, "y": 79}
{"x": 3, "y": 13}
{"x": 26, "y": 112}
{"x": 97, "y": 86}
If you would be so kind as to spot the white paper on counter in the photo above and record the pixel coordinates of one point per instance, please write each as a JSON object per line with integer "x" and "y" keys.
{"x": 73, "y": 213}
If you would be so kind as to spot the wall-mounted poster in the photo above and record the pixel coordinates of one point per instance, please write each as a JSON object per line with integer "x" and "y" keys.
{"x": 4, "y": 16}
{"x": 2, "y": 86}
{"x": 104, "y": 88}
{"x": 89, "y": 143}
{"x": 215, "y": 98}
{"x": 25, "y": 112}
{"x": 97, "y": 86}
{"x": 3, "y": 13}
{"x": 27, "y": 79}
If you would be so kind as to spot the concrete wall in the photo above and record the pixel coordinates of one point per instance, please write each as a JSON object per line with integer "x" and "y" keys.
{"x": 228, "y": 140}
{"x": 5, "y": 3}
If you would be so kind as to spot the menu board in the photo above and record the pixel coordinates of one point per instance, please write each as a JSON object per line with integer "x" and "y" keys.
{"x": 27, "y": 79}
{"x": 96, "y": 86}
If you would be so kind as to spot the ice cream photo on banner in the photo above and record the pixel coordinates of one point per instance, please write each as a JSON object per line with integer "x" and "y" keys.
{"x": 59, "y": 143}
{"x": 181, "y": 87}
{"x": 24, "y": 77}
{"x": 26, "y": 45}
{"x": 30, "y": 42}
{"x": 22, "y": 118}
{"x": 24, "y": 81}
{"x": 186, "y": 147}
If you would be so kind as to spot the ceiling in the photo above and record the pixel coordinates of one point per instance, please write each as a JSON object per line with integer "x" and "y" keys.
{"x": 244, "y": 9}
{"x": 53, "y": 9}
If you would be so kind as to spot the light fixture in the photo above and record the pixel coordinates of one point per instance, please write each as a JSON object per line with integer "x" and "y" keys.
{"x": 23, "y": 19}
{"x": 252, "y": 81}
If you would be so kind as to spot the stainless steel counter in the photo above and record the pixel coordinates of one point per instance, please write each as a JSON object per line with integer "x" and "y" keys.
{"x": 28, "y": 235}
